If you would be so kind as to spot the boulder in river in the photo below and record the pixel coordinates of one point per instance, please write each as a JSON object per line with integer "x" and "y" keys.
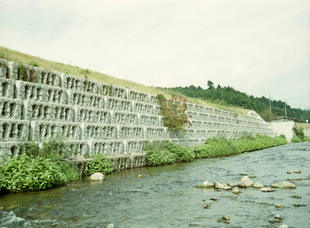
{"x": 111, "y": 225}
{"x": 284, "y": 184}
{"x": 223, "y": 186}
{"x": 267, "y": 190}
{"x": 297, "y": 171}
{"x": 245, "y": 182}
{"x": 236, "y": 190}
{"x": 205, "y": 184}
{"x": 283, "y": 226}
{"x": 96, "y": 177}
{"x": 258, "y": 185}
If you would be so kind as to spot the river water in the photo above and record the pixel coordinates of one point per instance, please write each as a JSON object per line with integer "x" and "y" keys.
{"x": 167, "y": 197}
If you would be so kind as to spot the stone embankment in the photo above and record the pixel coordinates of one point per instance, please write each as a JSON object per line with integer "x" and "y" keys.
{"x": 93, "y": 117}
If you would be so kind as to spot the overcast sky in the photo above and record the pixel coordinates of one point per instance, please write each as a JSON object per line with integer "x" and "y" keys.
{"x": 256, "y": 46}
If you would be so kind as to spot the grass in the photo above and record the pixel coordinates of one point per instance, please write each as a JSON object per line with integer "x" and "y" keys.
{"x": 164, "y": 153}
{"x": 16, "y": 56}
{"x": 219, "y": 147}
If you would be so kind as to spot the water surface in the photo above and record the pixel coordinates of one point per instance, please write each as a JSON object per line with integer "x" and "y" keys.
{"x": 166, "y": 196}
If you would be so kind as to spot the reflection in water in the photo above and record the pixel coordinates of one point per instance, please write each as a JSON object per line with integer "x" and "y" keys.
{"x": 166, "y": 196}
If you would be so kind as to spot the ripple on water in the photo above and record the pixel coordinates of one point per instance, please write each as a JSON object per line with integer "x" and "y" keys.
{"x": 166, "y": 196}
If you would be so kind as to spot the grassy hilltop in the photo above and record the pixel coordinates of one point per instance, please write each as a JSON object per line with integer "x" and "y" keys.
{"x": 16, "y": 56}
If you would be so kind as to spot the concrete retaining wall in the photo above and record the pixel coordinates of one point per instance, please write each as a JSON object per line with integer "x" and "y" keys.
{"x": 93, "y": 117}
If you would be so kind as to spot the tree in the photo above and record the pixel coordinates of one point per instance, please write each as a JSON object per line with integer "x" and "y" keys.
{"x": 210, "y": 84}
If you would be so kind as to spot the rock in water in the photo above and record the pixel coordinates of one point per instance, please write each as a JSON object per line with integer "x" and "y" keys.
{"x": 283, "y": 226}
{"x": 111, "y": 225}
{"x": 96, "y": 177}
{"x": 205, "y": 184}
{"x": 236, "y": 191}
{"x": 284, "y": 184}
{"x": 258, "y": 185}
{"x": 208, "y": 184}
{"x": 223, "y": 186}
{"x": 267, "y": 190}
{"x": 245, "y": 182}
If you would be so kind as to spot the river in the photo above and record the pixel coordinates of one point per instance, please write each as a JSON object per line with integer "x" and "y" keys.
{"x": 167, "y": 197}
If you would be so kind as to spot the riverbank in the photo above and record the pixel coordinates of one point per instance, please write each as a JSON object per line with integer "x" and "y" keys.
{"x": 166, "y": 196}
{"x": 45, "y": 168}
{"x": 165, "y": 153}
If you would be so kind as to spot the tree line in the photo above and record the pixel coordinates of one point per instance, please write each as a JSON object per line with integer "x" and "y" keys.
{"x": 229, "y": 96}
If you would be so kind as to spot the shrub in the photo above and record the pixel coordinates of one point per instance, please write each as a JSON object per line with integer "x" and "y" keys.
{"x": 27, "y": 173}
{"x": 31, "y": 149}
{"x": 215, "y": 147}
{"x": 55, "y": 146}
{"x": 157, "y": 153}
{"x": 161, "y": 153}
{"x": 299, "y": 132}
{"x": 100, "y": 164}
{"x": 174, "y": 112}
{"x": 295, "y": 139}
{"x": 37, "y": 169}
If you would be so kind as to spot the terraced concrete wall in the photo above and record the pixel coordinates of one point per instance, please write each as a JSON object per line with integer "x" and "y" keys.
{"x": 92, "y": 117}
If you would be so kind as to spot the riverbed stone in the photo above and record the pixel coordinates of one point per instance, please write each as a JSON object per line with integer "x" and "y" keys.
{"x": 288, "y": 172}
{"x": 296, "y": 196}
{"x": 283, "y": 226}
{"x": 96, "y": 177}
{"x": 258, "y": 185}
{"x": 277, "y": 218}
{"x": 224, "y": 219}
{"x": 284, "y": 184}
{"x": 278, "y": 206}
{"x": 208, "y": 184}
{"x": 236, "y": 190}
{"x": 297, "y": 171}
{"x": 267, "y": 189}
{"x": 245, "y": 182}
{"x": 223, "y": 186}
{"x": 111, "y": 225}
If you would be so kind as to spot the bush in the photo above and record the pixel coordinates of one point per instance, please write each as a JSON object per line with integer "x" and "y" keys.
{"x": 174, "y": 112}
{"x": 295, "y": 139}
{"x": 100, "y": 164}
{"x": 299, "y": 132}
{"x": 37, "y": 169}
{"x": 162, "y": 153}
{"x": 215, "y": 147}
{"x": 55, "y": 146}
{"x": 27, "y": 173}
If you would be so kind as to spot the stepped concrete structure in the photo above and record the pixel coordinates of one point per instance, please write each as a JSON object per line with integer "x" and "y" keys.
{"x": 93, "y": 117}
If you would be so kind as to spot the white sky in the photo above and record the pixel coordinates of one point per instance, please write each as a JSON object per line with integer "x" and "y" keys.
{"x": 256, "y": 46}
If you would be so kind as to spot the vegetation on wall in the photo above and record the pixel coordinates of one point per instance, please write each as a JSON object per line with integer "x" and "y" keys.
{"x": 229, "y": 96}
{"x": 174, "y": 112}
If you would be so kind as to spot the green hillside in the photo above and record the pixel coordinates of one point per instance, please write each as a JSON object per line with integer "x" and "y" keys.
{"x": 16, "y": 56}
{"x": 230, "y": 96}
